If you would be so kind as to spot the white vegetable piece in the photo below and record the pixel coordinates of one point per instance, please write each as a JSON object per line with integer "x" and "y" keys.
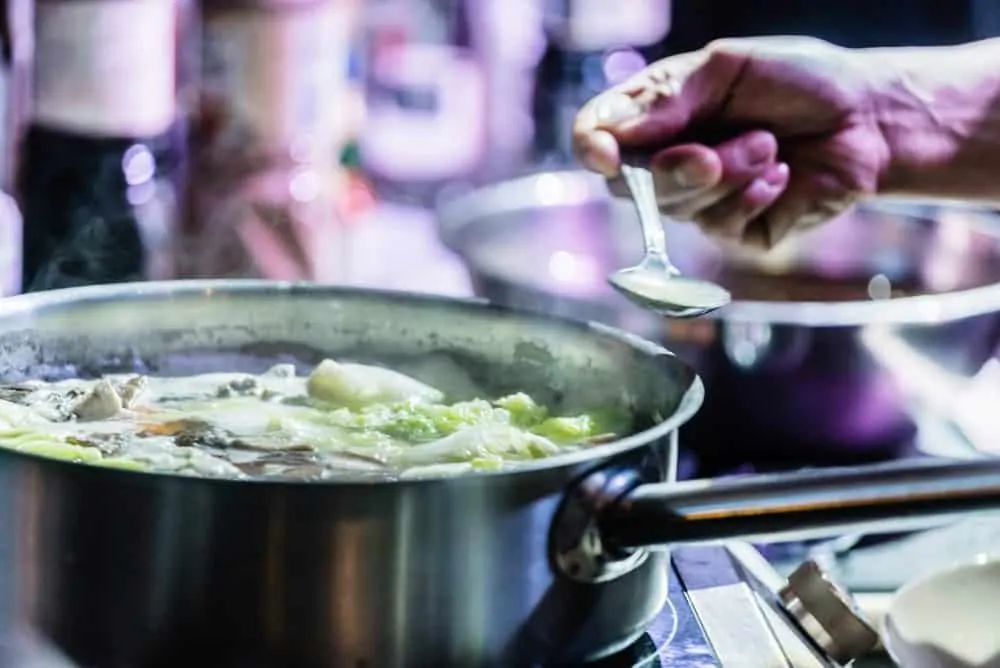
{"x": 13, "y": 416}
{"x": 435, "y": 470}
{"x": 358, "y": 385}
{"x": 131, "y": 390}
{"x": 281, "y": 371}
{"x": 479, "y": 441}
{"x": 100, "y": 403}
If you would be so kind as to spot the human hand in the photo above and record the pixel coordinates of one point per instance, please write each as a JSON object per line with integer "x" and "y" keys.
{"x": 749, "y": 138}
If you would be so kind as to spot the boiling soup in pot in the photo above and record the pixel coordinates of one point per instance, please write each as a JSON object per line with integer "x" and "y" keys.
{"x": 341, "y": 418}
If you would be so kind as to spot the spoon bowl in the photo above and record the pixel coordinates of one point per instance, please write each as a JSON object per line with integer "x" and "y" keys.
{"x": 671, "y": 295}
{"x": 655, "y": 283}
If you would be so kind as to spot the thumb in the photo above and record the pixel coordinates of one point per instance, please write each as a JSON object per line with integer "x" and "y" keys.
{"x": 650, "y": 110}
{"x": 667, "y": 97}
{"x": 639, "y": 115}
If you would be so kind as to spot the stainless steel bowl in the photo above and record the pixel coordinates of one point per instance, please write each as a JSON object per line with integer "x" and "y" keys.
{"x": 834, "y": 373}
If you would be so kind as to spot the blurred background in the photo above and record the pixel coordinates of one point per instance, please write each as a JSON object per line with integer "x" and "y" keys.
{"x": 314, "y": 138}
{"x": 424, "y": 145}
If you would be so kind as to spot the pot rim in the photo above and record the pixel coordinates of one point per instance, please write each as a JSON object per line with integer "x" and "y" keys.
{"x": 580, "y": 187}
{"x": 40, "y": 302}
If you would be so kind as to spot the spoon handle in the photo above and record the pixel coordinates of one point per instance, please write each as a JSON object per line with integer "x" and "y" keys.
{"x": 640, "y": 183}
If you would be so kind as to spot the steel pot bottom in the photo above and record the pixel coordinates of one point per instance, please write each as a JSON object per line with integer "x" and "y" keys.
{"x": 131, "y": 569}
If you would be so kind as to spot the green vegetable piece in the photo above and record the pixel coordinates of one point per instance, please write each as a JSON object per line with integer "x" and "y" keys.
{"x": 121, "y": 463}
{"x": 488, "y": 463}
{"x": 413, "y": 427}
{"x": 59, "y": 450}
{"x": 478, "y": 443}
{"x": 417, "y": 422}
{"x": 615, "y": 421}
{"x": 564, "y": 430}
{"x": 444, "y": 420}
{"x": 524, "y": 412}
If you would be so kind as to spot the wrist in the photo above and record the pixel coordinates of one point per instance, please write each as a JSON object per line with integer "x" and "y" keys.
{"x": 938, "y": 110}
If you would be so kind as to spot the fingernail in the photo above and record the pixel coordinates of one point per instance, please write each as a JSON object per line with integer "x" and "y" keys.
{"x": 617, "y": 109}
{"x": 759, "y": 148}
{"x": 693, "y": 174}
{"x": 775, "y": 176}
{"x": 601, "y": 154}
{"x": 756, "y": 194}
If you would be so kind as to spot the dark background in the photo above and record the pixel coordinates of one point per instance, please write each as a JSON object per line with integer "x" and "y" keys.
{"x": 854, "y": 23}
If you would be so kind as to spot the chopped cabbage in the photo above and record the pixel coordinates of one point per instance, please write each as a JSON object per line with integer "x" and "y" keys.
{"x": 418, "y": 422}
{"x": 435, "y": 470}
{"x": 413, "y": 423}
{"x": 46, "y": 445}
{"x": 359, "y": 385}
{"x": 15, "y": 415}
{"x": 567, "y": 429}
{"x": 121, "y": 463}
{"x": 478, "y": 443}
{"x": 524, "y": 412}
{"x": 329, "y": 437}
{"x": 233, "y": 425}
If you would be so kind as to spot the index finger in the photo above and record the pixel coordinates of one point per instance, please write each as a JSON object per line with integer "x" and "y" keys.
{"x": 645, "y": 112}
{"x": 595, "y": 147}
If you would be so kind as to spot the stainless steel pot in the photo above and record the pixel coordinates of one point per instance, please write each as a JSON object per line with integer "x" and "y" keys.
{"x": 782, "y": 375}
{"x": 123, "y": 569}
{"x": 543, "y": 566}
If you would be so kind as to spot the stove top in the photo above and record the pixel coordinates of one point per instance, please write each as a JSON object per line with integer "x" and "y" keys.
{"x": 675, "y": 638}
{"x": 707, "y": 630}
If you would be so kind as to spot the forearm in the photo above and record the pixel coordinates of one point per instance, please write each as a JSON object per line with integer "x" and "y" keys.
{"x": 939, "y": 110}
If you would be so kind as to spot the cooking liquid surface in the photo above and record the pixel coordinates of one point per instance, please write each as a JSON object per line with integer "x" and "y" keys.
{"x": 660, "y": 288}
{"x": 341, "y": 420}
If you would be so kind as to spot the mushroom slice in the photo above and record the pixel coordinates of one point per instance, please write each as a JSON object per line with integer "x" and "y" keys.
{"x": 99, "y": 403}
{"x": 131, "y": 390}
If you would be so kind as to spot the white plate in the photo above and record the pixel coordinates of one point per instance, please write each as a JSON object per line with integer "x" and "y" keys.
{"x": 948, "y": 620}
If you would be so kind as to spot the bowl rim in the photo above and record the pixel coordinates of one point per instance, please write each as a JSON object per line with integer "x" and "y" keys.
{"x": 458, "y": 212}
{"x": 891, "y": 639}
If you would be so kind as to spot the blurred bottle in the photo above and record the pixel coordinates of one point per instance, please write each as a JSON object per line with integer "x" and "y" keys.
{"x": 592, "y": 44}
{"x": 591, "y": 26}
{"x": 187, "y": 68}
{"x": 357, "y": 195}
{"x": 266, "y": 145}
{"x": 96, "y": 176}
{"x": 16, "y": 48}
{"x": 510, "y": 39}
{"x": 425, "y": 95}
{"x": 11, "y": 230}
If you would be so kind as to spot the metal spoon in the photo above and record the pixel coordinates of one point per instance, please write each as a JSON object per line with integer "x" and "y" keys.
{"x": 655, "y": 283}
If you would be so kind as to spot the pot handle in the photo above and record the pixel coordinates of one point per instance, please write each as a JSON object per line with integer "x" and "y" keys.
{"x": 777, "y": 507}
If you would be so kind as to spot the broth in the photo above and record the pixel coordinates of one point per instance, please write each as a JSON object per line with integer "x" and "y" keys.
{"x": 342, "y": 419}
